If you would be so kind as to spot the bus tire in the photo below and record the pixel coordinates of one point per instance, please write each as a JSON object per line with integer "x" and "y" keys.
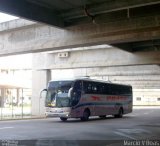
{"x": 63, "y": 119}
{"x": 120, "y": 113}
{"x": 102, "y": 116}
{"x": 86, "y": 115}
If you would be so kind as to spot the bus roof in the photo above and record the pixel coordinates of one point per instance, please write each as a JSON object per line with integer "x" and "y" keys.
{"x": 89, "y": 79}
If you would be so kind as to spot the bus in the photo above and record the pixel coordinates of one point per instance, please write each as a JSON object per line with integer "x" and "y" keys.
{"x": 85, "y": 97}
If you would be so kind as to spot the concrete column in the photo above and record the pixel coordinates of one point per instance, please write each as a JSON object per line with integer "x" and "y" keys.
{"x": 2, "y": 97}
{"x": 17, "y": 95}
{"x": 40, "y": 80}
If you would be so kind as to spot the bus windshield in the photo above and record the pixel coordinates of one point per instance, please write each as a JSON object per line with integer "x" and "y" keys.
{"x": 57, "y": 95}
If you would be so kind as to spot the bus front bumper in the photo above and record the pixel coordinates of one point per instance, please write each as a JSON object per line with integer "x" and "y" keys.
{"x": 57, "y": 112}
{"x": 50, "y": 114}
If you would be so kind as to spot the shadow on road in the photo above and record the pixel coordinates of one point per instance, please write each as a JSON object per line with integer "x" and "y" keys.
{"x": 94, "y": 119}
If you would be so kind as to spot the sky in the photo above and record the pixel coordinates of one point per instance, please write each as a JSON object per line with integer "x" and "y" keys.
{"x": 6, "y": 17}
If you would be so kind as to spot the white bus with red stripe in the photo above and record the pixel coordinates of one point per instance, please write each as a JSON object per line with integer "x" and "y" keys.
{"x": 82, "y": 98}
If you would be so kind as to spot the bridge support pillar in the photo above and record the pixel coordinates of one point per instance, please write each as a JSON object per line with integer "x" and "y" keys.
{"x": 40, "y": 80}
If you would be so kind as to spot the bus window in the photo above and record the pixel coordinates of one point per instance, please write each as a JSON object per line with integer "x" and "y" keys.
{"x": 93, "y": 88}
{"x": 76, "y": 93}
{"x": 87, "y": 87}
{"x": 57, "y": 94}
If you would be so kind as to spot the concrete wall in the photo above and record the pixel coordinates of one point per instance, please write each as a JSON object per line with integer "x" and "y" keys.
{"x": 146, "y": 96}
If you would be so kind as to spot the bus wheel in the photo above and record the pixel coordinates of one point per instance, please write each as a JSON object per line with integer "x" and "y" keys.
{"x": 63, "y": 119}
{"x": 86, "y": 115}
{"x": 120, "y": 114}
{"x": 103, "y": 116}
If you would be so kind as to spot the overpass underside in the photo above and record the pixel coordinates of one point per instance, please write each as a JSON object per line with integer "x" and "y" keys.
{"x": 132, "y": 29}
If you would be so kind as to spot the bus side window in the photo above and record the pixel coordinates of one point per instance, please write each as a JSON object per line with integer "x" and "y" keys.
{"x": 78, "y": 86}
{"x": 87, "y": 87}
{"x": 76, "y": 93}
{"x": 96, "y": 88}
{"x": 108, "y": 89}
{"x": 102, "y": 88}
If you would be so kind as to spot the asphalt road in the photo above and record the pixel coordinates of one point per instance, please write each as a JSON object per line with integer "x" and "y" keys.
{"x": 139, "y": 125}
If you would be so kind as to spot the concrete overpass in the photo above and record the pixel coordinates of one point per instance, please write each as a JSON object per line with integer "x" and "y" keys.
{"x": 132, "y": 27}
{"x": 140, "y": 68}
{"x": 129, "y": 25}
{"x": 141, "y": 32}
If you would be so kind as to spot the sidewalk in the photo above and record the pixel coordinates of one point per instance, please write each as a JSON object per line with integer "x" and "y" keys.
{"x": 146, "y": 107}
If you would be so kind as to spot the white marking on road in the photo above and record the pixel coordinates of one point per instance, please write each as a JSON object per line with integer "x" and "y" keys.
{"x": 6, "y": 128}
{"x": 124, "y": 135}
{"x": 134, "y": 131}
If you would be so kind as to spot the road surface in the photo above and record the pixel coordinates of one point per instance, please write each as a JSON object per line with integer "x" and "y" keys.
{"x": 142, "y": 124}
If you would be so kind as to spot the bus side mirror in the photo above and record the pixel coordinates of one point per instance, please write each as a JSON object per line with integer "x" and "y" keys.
{"x": 70, "y": 92}
{"x": 43, "y": 93}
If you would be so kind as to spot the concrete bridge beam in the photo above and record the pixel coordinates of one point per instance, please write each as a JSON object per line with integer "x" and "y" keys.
{"x": 139, "y": 70}
{"x": 137, "y": 78}
{"x": 38, "y": 38}
{"x": 106, "y": 57}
